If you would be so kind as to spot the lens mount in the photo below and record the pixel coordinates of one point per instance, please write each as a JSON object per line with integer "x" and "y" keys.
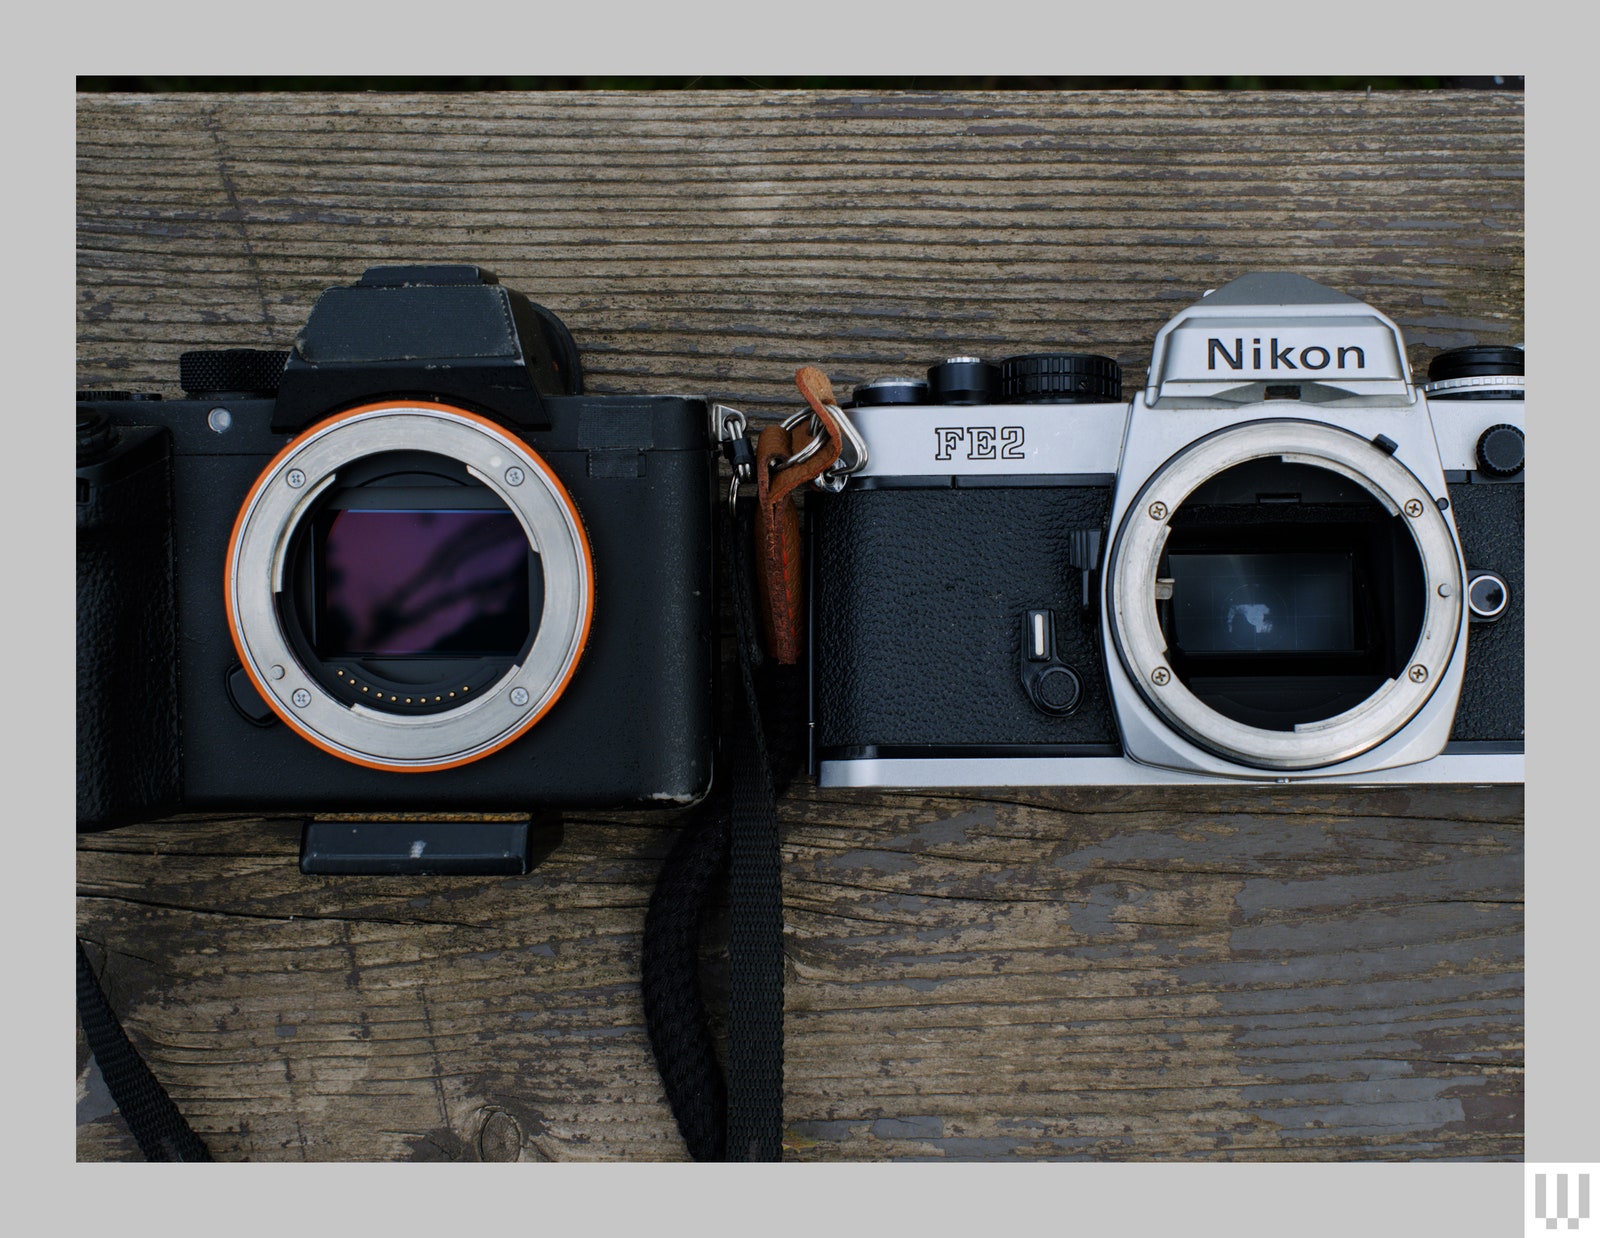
{"x": 1142, "y": 645}
{"x": 289, "y": 489}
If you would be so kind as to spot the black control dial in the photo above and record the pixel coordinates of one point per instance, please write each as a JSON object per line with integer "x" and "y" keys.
{"x": 883, "y": 391}
{"x": 963, "y": 380}
{"x": 1500, "y": 451}
{"x": 231, "y": 371}
{"x": 1480, "y": 372}
{"x": 1477, "y": 361}
{"x": 1060, "y": 378}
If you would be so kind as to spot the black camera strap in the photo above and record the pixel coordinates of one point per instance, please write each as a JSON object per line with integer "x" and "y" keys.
{"x": 736, "y": 832}
{"x": 762, "y": 736}
{"x": 755, "y": 933}
{"x": 160, "y": 1129}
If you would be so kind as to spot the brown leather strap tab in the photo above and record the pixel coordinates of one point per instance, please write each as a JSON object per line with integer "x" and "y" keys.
{"x": 777, "y": 534}
{"x": 777, "y": 522}
{"x": 818, "y": 391}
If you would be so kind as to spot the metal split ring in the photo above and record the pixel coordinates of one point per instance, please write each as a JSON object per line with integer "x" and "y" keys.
{"x": 852, "y": 449}
{"x": 818, "y": 438}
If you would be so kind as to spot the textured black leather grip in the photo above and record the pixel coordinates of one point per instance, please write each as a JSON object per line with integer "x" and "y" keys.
{"x": 127, "y": 646}
{"x": 1489, "y": 521}
{"x": 918, "y": 599}
{"x": 252, "y": 370}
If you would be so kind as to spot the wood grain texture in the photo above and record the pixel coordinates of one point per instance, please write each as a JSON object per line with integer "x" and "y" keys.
{"x": 1156, "y": 973}
{"x": 715, "y": 241}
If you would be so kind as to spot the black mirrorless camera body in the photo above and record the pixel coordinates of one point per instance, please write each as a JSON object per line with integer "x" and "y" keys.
{"x": 1280, "y": 560}
{"x": 407, "y": 568}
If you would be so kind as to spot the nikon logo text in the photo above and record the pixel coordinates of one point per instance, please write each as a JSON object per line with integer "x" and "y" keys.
{"x": 981, "y": 442}
{"x": 1309, "y": 357}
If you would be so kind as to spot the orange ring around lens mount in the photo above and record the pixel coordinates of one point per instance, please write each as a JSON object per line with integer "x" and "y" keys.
{"x": 558, "y": 492}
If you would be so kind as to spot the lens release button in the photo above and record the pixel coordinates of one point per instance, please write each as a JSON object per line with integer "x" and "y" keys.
{"x": 1488, "y": 595}
{"x": 244, "y": 697}
{"x": 1056, "y": 690}
{"x": 1052, "y": 686}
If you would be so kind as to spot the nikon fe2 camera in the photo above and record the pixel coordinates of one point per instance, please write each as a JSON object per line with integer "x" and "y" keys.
{"x": 1281, "y": 560}
{"x": 407, "y": 568}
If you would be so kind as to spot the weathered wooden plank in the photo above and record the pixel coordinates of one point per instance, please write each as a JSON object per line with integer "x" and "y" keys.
{"x": 716, "y": 240}
{"x": 1262, "y": 977}
{"x": 1151, "y": 973}
{"x": 1139, "y": 974}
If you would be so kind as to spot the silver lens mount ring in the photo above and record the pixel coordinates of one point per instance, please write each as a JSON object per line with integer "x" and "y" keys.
{"x": 285, "y": 494}
{"x": 1142, "y": 646}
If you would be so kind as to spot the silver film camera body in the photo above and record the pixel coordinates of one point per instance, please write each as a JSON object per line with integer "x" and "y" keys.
{"x": 1281, "y": 560}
